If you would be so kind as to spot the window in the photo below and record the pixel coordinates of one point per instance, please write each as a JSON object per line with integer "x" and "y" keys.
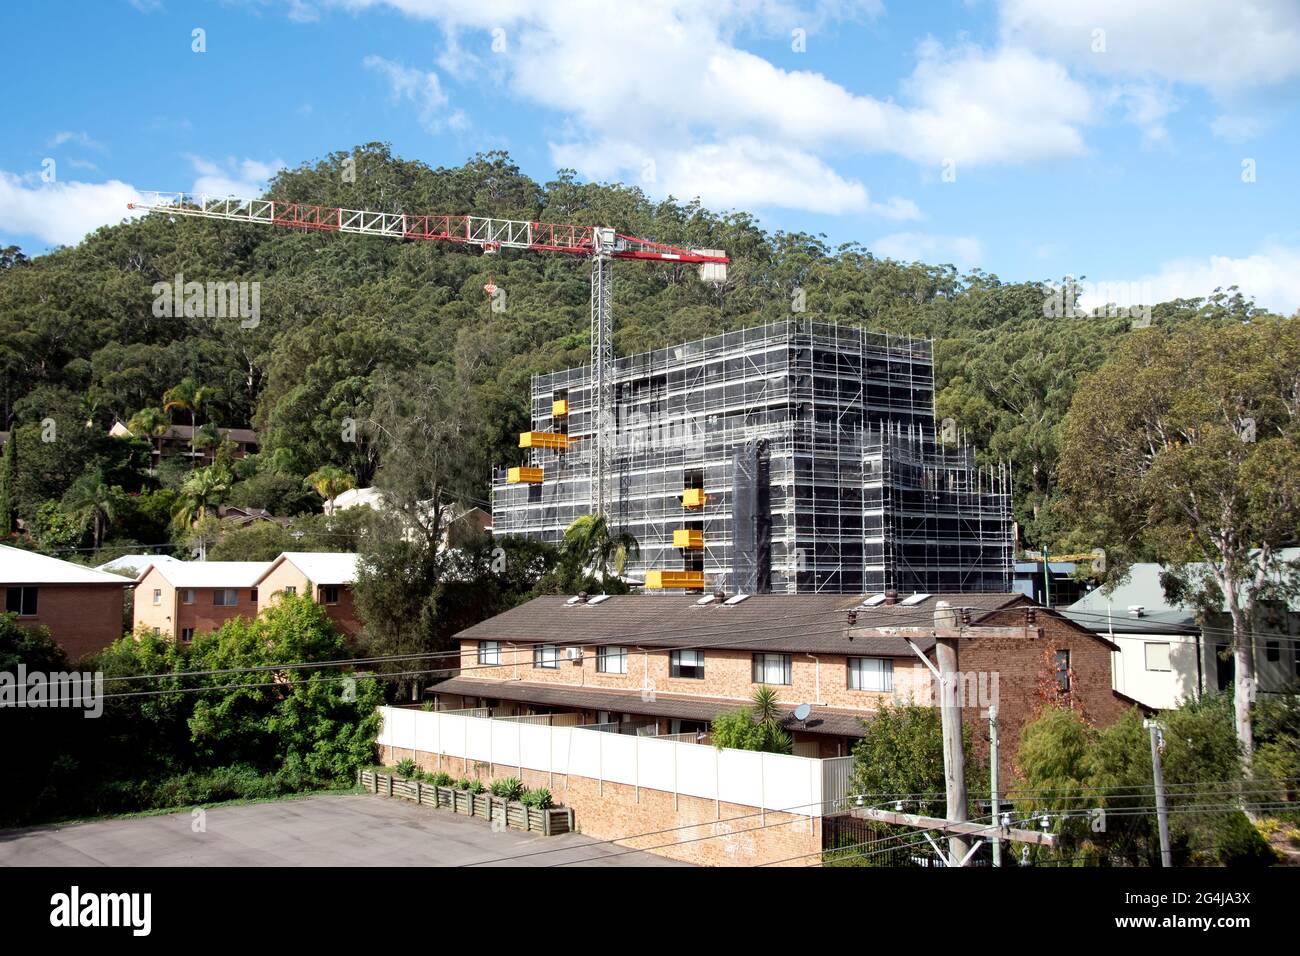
{"x": 772, "y": 669}
{"x": 187, "y": 596}
{"x": 1063, "y": 670}
{"x": 225, "y": 597}
{"x": 546, "y": 655}
{"x": 1272, "y": 651}
{"x": 489, "y": 652}
{"x": 611, "y": 660}
{"x": 290, "y": 589}
{"x": 689, "y": 664}
{"x": 329, "y": 593}
{"x": 871, "y": 673}
{"x": 21, "y": 601}
{"x": 187, "y": 635}
{"x": 157, "y": 595}
{"x": 157, "y": 632}
{"x": 1157, "y": 657}
{"x": 252, "y": 596}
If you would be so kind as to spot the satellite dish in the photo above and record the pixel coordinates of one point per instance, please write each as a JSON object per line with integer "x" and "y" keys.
{"x": 802, "y": 711}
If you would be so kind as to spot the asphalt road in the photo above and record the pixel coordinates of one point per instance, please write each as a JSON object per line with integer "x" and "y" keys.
{"x": 323, "y": 830}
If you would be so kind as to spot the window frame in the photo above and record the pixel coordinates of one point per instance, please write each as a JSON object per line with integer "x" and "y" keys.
{"x": 854, "y": 668}
{"x": 187, "y": 596}
{"x": 1063, "y": 672}
{"x": 23, "y": 592}
{"x": 226, "y": 597}
{"x": 187, "y": 635}
{"x": 758, "y": 671}
{"x": 678, "y": 670}
{"x": 1146, "y": 657}
{"x": 546, "y": 657}
{"x": 606, "y": 652}
{"x": 489, "y": 653}
{"x": 325, "y": 591}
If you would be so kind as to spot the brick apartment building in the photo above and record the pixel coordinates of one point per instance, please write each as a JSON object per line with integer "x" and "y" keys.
{"x": 181, "y": 599}
{"x": 325, "y": 577}
{"x": 82, "y": 608}
{"x": 673, "y": 663}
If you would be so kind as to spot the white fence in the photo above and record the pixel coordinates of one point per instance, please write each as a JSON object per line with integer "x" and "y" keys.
{"x": 766, "y": 781}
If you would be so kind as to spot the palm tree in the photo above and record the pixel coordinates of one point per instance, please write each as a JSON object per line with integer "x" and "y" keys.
{"x": 90, "y": 502}
{"x": 150, "y": 422}
{"x": 330, "y": 481}
{"x": 190, "y": 397}
{"x": 589, "y": 544}
{"x": 204, "y": 489}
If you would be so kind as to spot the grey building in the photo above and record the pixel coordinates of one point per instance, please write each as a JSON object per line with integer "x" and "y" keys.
{"x": 793, "y": 457}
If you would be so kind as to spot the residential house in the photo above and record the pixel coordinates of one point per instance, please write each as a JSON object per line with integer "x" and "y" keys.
{"x": 1167, "y": 653}
{"x": 82, "y": 607}
{"x": 325, "y": 577}
{"x": 176, "y": 440}
{"x": 183, "y": 598}
{"x": 652, "y": 664}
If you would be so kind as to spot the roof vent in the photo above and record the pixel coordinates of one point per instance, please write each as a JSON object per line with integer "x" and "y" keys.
{"x": 1137, "y": 610}
{"x": 874, "y": 601}
{"x": 599, "y": 599}
{"x": 705, "y": 600}
{"x": 720, "y": 595}
{"x": 891, "y": 598}
{"x": 912, "y": 600}
{"x": 736, "y": 599}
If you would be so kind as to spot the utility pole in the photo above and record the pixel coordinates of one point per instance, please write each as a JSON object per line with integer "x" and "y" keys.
{"x": 1158, "y": 773}
{"x": 993, "y": 781}
{"x": 954, "y": 759}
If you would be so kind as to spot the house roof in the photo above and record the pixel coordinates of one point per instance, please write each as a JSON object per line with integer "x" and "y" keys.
{"x": 135, "y": 563}
{"x": 27, "y": 567}
{"x": 319, "y": 567}
{"x": 805, "y": 623}
{"x": 208, "y": 574}
{"x": 822, "y": 720}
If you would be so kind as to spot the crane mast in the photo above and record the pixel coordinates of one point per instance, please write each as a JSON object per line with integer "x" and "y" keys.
{"x": 599, "y": 243}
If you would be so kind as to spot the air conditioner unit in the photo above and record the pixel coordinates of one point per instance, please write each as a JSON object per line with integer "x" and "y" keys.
{"x": 573, "y": 653}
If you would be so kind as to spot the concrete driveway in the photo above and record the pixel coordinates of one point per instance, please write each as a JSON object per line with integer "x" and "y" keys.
{"x": 322, "y": 830}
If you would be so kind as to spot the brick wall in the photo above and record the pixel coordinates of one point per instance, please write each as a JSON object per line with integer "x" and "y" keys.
{"x": 287, "y": 574}
{"x": 690, "y": 829}
{"x": 82, "y": 618}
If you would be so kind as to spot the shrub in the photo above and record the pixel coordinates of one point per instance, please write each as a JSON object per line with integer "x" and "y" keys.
{"x": 511, "y": 788}
{"x": 539, "y": 799}
{"x": 406, "y": 768}
{"x": 476, "y": 786}
{"x": 463, "y": 783}
{"x": 442, "y": 779}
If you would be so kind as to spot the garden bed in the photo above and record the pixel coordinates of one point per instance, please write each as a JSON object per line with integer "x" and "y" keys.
{"x": 517, "y": 815}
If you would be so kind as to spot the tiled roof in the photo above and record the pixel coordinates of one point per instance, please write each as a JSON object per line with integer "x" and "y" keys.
{"x": 27, "y": 567}
{"x": 822, "y": 720}
{"x": 804, "y": 623}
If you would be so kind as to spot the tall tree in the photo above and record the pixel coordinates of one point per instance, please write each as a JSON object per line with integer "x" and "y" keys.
{"x": 8, "y": 484}
{"x": 193, "y": 398}
{"x": 590, "y": 546}
{"x": 1187, "y": 445}
{"x": 95, "y": 505}
{"x": 330, "y": 481}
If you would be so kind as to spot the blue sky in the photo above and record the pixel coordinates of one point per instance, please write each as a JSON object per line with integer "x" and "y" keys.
{"x": 1149, "y": 144}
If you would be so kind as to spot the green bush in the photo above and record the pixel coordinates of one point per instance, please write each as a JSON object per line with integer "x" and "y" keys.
{"x": 511, "y": 788}
{"x": 442, "y": 779}
{"x": 406, "y": 768}
{"x": 539, "y": 799}
{"x": 476, "y": 786}
{"x": 463, "y": 783}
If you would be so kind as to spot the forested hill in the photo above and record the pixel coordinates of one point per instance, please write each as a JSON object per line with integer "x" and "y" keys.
{"x": 341, "y": 315}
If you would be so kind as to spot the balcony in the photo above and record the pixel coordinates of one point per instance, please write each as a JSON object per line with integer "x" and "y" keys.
{"x": 524, "y": 476}
{"x": 688, "y": 580}
{"x": 692, "y": 540}
{"x": 694, "y": 498}
{"x": 553, "y": 441}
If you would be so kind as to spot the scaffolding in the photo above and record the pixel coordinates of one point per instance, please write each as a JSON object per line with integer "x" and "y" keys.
{"x": 792, "y": 457}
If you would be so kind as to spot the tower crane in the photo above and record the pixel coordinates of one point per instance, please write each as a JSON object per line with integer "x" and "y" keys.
{"x": 601, "y": 244}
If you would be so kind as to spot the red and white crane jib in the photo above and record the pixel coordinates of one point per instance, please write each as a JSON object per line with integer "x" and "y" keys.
{"x": 484, "y": 232}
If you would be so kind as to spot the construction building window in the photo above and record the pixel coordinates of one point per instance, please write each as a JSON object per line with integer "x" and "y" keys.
{"x": 489, "y": 653}
{"x": 871, "y": 673}
{"x": 772, "y": 669}
{"x": 611, "y": 660}
{"x": 687, "y": 664}
{"x": 1063, "y": 670}
{"x": 1157, "y": 657}
{"x": 547, "y": 656}
{"x": 21, "y": 601}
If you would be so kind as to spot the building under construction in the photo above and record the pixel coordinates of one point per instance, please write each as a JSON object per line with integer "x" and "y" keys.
{"x": 793, "y": 457}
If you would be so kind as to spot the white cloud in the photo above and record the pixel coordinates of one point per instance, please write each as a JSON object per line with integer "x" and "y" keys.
{"x": 961, "y": 251}
{"x": 1225, "y": 46}
{"x": 79, "y": 138}
{"x": 243, "y": 178}
{"x": 666, "y": 81}
{"x": 62, "y": 213}
{"x": 1236, "y": 127}
{"x": 422, "y": 88}
{"x": 1270, "y": 276}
